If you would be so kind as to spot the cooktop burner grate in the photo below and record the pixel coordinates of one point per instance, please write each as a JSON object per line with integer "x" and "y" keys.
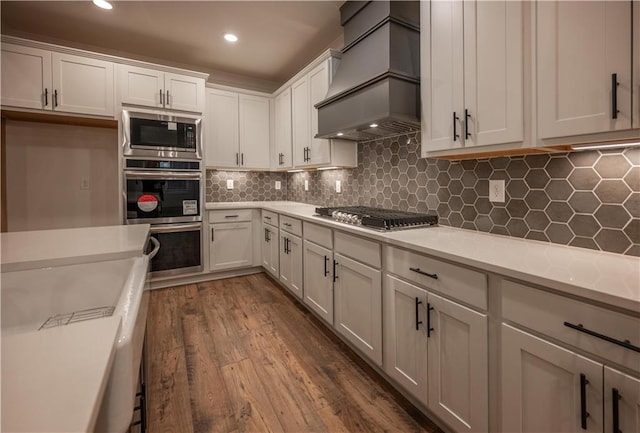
{"x": 378, "y": 218}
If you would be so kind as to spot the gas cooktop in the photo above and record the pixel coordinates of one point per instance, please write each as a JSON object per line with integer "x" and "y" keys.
{"x": 377, "y": 218}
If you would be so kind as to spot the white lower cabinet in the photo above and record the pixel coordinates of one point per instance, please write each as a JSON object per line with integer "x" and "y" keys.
{"x": 623, "y": 415}
{"x": 358, "y": 305}
{"x": 231, "y": 245}
{"x": 437, "y": 350}
{"x": 270, "y": 251}
{"x": 318, "y": 279}
{"x": 291, "y": 262}
{"x": 546, "y": 388}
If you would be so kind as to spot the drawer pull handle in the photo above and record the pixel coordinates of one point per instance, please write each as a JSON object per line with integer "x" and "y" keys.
{"x": 429, "y": 328}
{"x": 231, "y": 216}
{"x": 335, "y": 272}
{"x": 614, "y": 96}
{"x": 583, "y": 401}
{"x": 287, "y": 224}
{"x": 417, "y": 270}
{"x": 615, "y": 397}
{"x": 418, "y": 321}
{"x": 268, "y": 217}
{"x": 326, "y": 271}
{"x": 626, "y": 344}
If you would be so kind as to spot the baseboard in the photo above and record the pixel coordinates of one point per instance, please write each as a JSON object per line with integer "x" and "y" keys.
{"x": 162, "y": 283}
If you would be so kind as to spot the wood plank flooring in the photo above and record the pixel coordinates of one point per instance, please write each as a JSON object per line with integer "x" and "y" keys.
{"x": 242, "y": 355}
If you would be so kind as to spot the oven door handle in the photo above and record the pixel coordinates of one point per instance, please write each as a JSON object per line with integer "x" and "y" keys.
{"x": 175, "y": 228}
{"x": 161, "y": 175}
{"x": 156, "y": 247}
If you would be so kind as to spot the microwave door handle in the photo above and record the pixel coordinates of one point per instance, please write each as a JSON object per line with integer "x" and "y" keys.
{"x": 175, "y": 228}
{"x": 161, "y": 175}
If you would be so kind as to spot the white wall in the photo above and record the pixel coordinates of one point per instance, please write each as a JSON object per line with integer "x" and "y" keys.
{"x": 46, "y": 165}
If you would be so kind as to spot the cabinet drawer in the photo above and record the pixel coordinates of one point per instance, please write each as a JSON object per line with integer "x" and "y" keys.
{"x": 547, "y": 313}
{"x": 229, "y": 216}
{"x": 362, "y": 250}
{"x": 269, "y": 217}
{"x": 318, "y": 235}
{"x": 291, "y": 225}
{"x": 455, "y": 281}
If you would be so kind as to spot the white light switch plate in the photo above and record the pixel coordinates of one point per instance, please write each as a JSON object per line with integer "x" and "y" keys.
{"x": 496, "y": 191}
{"x": 229, "y": 183}
{"x": 278, "y": 184}
{"x": 338, "y": 186}
{"x": 306, "y": 185}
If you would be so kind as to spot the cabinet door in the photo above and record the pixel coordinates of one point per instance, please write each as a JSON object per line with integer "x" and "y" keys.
{"x": 231, "y": 246}
{"x": 579, "y": 46}
{"x": 26, "y": 76}
{"x": 82, "y": 85}
{"x": 541, "y": 386}
{"x": 140, "y": 86}
{"x": 318, "y": 280}
{"x": 221, "y": 129}
{"x": 458, "y": 364}
{"x": 285, "y": 261}
{"x": 625, "y": 415}
{"x": 405, "y": 340}
{"x": 300, "y": 117}
{"x": 254, "y": 131}
{"x": 493, "y": 72}
{"x": 291, "y": 262}
{"x": 320, "y": 149}
{"x": 184, "y": 93}
{"x": 358, "y": 306}
{"x": 270, "y": 253}
{"x": 283, "y": 149}
{"x": 442, "y": 75}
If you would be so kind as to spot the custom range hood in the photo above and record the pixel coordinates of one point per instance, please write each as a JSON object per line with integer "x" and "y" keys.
{"x": 376, "y": 89}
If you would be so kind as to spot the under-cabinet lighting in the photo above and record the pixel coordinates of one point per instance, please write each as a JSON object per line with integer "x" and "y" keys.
{"x": 605, "y": 146}
{"x": 327, "y": 168}
{"x": 373, "y": 125}
{"x": 230, "y": 37}
{"x": 294, "y": 171}
{"x": 103, "y": 4}
{"x": 340, "y": 134}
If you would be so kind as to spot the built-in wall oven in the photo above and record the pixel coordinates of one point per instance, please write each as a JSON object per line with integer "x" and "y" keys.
{"x": 167, "y": 193}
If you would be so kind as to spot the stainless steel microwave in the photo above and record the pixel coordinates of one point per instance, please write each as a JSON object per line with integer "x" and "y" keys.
{"x": 161, "y": 135}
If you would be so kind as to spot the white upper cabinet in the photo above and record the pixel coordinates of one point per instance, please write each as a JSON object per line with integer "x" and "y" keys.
{"x": 152, "y": 88}
{"x": 309, "y": 151}
{"x": 237, "y": 132}
{"x": 26, "y": 77}
{"x": 41, "y": 79}
{"x": 583, "y": 67}
{"x": 282, "y": 133}
{"x": 472, "y": 74}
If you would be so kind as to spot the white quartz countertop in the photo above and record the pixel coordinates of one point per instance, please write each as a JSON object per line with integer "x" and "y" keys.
{"x": 609, "y": 278}
{"x": 45, "y": 248}
{"x": 53, "y": 380}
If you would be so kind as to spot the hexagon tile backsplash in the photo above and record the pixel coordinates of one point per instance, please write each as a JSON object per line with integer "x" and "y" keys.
{"x": 588, "y": 199}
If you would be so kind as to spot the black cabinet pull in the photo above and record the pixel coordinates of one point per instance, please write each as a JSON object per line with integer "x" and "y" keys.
{"x": 335, "y": 273}
{"x": 626, "y": 344}
{"x": 268, "y": 217}
{"x": 326, "y": 270}
{"x": 55, "y": 98}
{"x": 284, "y": 245}
{"x": 455, "y": 127}
{"x": 280, "y": 158}
{"x": 417, "y": 270}
{"x": 212, "y": 235}
{"x": 46, "y": 97}
{"x": 288, "y": 246}
{"x": 614, "y": 96}
{"x": 231, "y": 216}
{"x": 418, "y": 322}
{"x": 161, "y": 98}
{"x": 615, "y": 409}
{"x": 267, "y": 238}
{"x": 429, "y": 328}
{"x": 168, "y": 98}
{"x": 467, "y": 117}
{"x": 583, "y": 401}
{"x": 237, "y": 159}
{"x": 242, "y": 158}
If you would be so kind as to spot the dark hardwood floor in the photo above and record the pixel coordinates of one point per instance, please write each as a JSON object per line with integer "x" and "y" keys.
{"x": 241, "y": 355}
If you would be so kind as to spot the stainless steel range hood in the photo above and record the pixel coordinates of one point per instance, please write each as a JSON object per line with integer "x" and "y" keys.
{"x": 378, "y": 79}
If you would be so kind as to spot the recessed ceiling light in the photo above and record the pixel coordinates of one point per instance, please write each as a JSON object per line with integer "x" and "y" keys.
{"x": 373, "y": 125}
{"x": 230, "y": 37}
{"x": 103, "y": 4}
{"x": 340, "y": 134}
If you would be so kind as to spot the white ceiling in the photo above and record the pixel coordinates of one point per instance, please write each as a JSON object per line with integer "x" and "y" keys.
{"x": 276, "y": 38}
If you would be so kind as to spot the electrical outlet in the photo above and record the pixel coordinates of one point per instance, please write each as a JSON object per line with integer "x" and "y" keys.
{"x": 278, "y": 184}
{"x": 338, "y": 186}
{"x": 496, "y": 191}
{"x": 229, "y": 183}
{"x": 84, "y": 183}
{"x": 306, "y": 185}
